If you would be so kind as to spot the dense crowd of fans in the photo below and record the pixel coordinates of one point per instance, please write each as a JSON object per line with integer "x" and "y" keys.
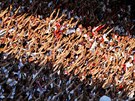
{"x": 115, "y": 13}
{"x": 55, "y": 58}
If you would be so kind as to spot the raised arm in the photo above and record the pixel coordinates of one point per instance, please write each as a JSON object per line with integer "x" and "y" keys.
{"x": 51, "y": 16}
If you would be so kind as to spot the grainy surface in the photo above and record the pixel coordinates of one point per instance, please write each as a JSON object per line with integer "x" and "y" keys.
{"x": 52, "y": 58}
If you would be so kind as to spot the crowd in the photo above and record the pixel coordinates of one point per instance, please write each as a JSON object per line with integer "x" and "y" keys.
{"x": 115, "y": 13}
{"x": 56, "y": 58}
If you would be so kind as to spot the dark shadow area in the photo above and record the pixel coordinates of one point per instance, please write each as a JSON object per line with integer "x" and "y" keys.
{"x": 27, "y": 81}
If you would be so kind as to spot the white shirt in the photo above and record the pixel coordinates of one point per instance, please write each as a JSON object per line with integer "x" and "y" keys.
{"x": 49, "y": 27}
{"x": 70, "y": 31}
{"x": 129, "y": 64}
{"x": 104, "y": 37}
{"x": 79, "y": 30}
{"x": 93, "y": 45}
